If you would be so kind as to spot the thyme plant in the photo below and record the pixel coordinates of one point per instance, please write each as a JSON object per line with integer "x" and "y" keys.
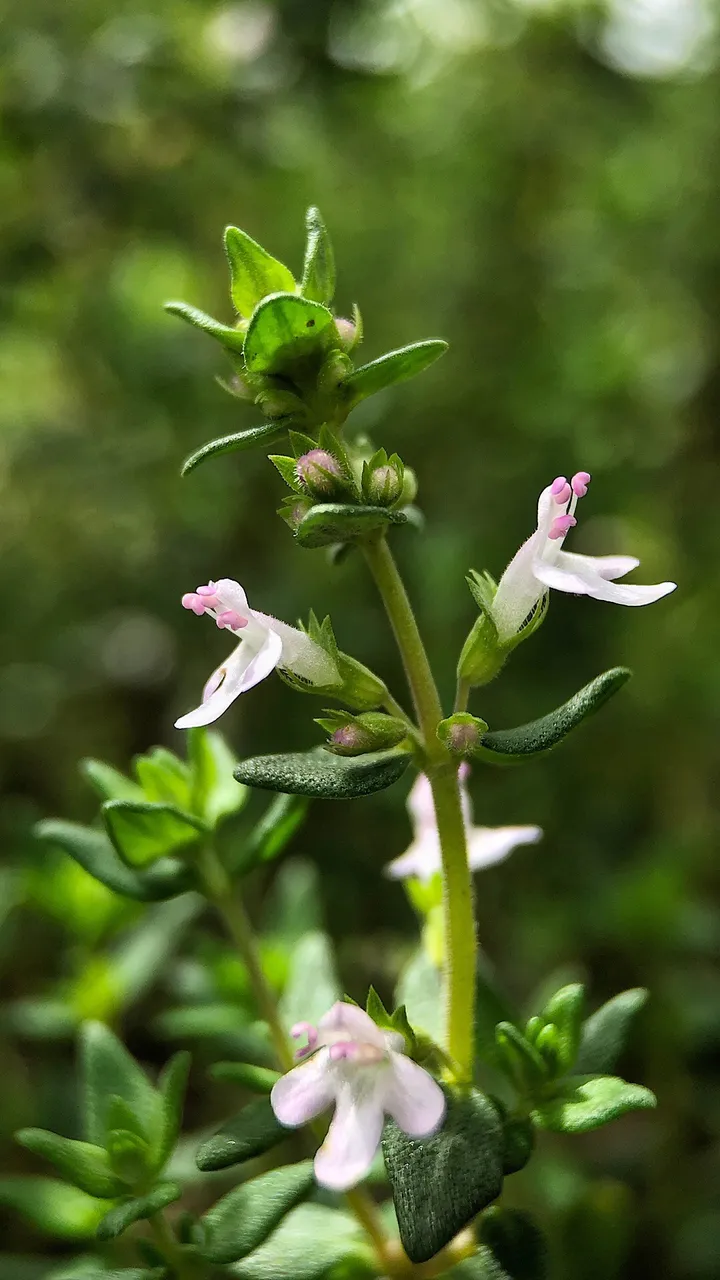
{"x": 440, "y": 1097}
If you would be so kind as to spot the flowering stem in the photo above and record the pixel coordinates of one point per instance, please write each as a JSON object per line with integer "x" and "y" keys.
{"x": 218, "y": 889}
{"x": 458, "y": 913}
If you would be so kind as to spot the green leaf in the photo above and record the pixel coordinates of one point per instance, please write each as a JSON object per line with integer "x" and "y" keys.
{"x": 123, "y": 1215}
{"x": 512, "y": 1242}
{"x": 267, "y": 433}
{"x": 144, "y": 952}
{"x": 284, "y": 332}
{"x": 519, "y": 1058}
{"x": 313, "y": 985}
{"x": 256, "y": 1079}
{"x": 331, "y": 522}
{"x": 84, "y": 1165}
{"x": 419, "y": 988}
{"x": 580, "y": 1103}
{"x": 115, "y": 1273}
{"x": 394, "y": 366}
{"x": 606, "y": 1031}
{"x": 143, "y": 832}
{"x": 163, "y": 777}
{"x": 328, "y": 777}
{"x": 565, "y": 1011}
{"x": 318, "y": 277}
{"x": 107, "y": 1070}
{"x": 93, "y": 851}
{"x": 272, "y": 834}
{"x": 251, "y": 1133}
{"x": 130, "y": 1157}
{"x": 285, "y": 465}
{"x": 109, "y": 783}
{"x": 441, "y": 1183}
{"x": 171, "y": 1086}
{"x": 254, "y": 273}
{"x": 52, "y": 1206}
{"x": 311, "y": 1243}
{"x": 215, "y": 793}
{"x": 518, "y": 1142}
{"x": 244, "y": 1218}
{"x": 514, "y": 746}
{"x": 230, "y": 338}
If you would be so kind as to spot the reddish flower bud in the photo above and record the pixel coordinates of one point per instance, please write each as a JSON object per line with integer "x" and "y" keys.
{"x": 319, "y": 472}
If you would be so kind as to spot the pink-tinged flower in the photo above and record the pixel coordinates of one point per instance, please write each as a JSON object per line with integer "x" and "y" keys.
{"x": 364, "y": 1072}
{"x": 541, "y": 563}
{"x": 265, "y": 643}
{"x": 486, "y": 845}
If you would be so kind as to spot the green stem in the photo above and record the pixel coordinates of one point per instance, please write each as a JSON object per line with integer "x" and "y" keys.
{"x": 166, "y": 1242}
{"x": 462, "y": 697}
{"x": 459, "y": 921}
{"x": 237, "y": 922}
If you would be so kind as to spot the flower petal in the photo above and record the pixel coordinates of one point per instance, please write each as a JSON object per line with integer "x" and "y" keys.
{"x": 414, "y": 1100}
{"x": 518, "y": 589}
{"x": 422, "y": 859}
{"x": 304, "y": 1092}
{"x": 245, "y": 668}
{"x": 581, "y": 577}
{"x": 231, "y": 595}
{"x": 353, "y": 1137}
{"x": 420, "y": 804}
{"x": 609, "y": 567}
{"x": 488, "y": 845}
{"x": 349, "y": 1022}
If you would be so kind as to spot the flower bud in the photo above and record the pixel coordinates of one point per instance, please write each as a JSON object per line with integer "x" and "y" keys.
{"x": 409, "y": 488}
{"x": 350, "y": 740}
{"x": 320, "y": 473}
{"x": 371, "y": 731}
{"x": 384, "y": 485}
{"x": 461, "y": 733}
{"x": 347, "y": 332}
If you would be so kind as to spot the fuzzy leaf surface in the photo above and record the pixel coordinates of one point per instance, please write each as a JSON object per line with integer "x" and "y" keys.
{"x": 325, "y": 776}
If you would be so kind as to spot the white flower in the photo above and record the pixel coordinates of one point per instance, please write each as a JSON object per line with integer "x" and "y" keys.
{"x": 265, "y": 643}
{"x": 541, "y": 563}
{"x": 486, "y": 845}
{"x": 364, "y": 1072}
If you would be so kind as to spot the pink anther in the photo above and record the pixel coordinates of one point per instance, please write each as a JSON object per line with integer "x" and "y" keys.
{"x": 557, "y": 487}
{"x": 305, "y": 1029}
{"x": 191, "y": 600}
{"x": 580, "y": 482}
{"x": 229, "y": 618}
{"x": 208, "y": 590}
{"x": 560, "y": 526}
{"x": 343, "y": 1049}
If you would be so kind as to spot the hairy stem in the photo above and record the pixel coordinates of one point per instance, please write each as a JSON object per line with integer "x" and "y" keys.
{"x": 237, "y": 922}
{"x": 460, "y": 943}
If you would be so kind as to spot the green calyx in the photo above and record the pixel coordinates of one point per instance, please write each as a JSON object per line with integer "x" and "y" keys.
{"x": 356, "y": 735}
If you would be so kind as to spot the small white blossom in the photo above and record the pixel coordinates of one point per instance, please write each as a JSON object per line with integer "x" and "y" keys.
{"x": 265, "y": 643}
{"x": 541, "y": 563}
{"x": 486, "y": 845}
{"x": 364, "y": 1072}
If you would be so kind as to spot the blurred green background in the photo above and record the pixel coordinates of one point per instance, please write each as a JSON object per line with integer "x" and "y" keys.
{"x": 539, "y": 184}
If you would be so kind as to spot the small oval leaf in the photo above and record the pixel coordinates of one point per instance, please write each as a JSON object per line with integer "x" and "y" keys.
{"x": 329, "y": 523}
{"x": 251, "y": 1133}
{"x": 318, "y": 773}
{"x": 143, "y": 832}
{"x": 95, "y": 853}
{"x": 231, "y": 338}
{"x": 123, "y": 1215}
{"x": 514, "y": 746}
{"x": 254, "y": 273}
{"x": 246, "y": 1216}
{"x": 266, "y": 433}
{"x": 605, "y": 1033}
{"x": 318, "y": 278}
{"x": 285, "y": 330}
{"x": 394, "y": 366}
{"x": 581, "y": 1103}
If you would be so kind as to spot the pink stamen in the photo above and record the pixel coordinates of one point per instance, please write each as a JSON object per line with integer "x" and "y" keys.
{"x": 193, "y": 601}
{"x": 209, "y": 590}
{"x": 560, "y": 526}
{"x": 231, "y": 619}
{"x": 305, "y": 1029}
{"x": 580, "y": 482}
{"x": 343, "y": 1049}
{"x": 557, "y": 487}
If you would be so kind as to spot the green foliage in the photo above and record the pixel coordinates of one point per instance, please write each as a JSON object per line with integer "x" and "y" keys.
{"x": 441, "y": 1183}
{"x": 266, "y": 433}
{"x": 243, "y": 1219}
{"x": 329, "y": 523}
{"x": 393, "y": 367}
{"x": 53, "y": 1207}
{"x": 514, "y": 746}
{"x": 253, "y": 272}
{"x": 286, "y": 332}
{"x": 322, "y": 775}
{"x": 249, "y": 1134}
{"x": 84, "y": 1165}
{"x": 117, "y": 1220}
{"x": 580, "y": 1103}
{"x": 142, "y": 831}
{"x": 311, "y": 1243}
{"x": 605, "y": 1033}
{"x": 511, "y": 1246}
{"x": 256, "y": 1079}
{"x": 318, "y": 277}
{"x": 93, "y": 851}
